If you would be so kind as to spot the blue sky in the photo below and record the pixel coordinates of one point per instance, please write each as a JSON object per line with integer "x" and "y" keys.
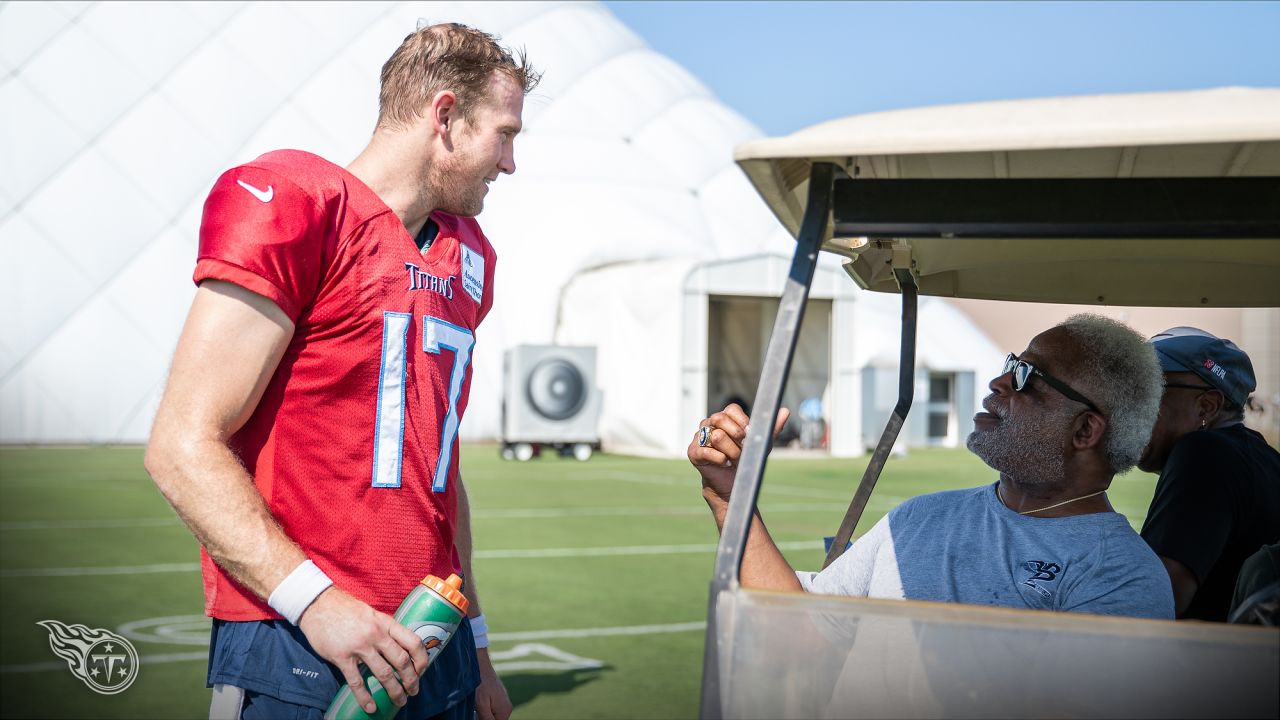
{"x": 786, "y": 66}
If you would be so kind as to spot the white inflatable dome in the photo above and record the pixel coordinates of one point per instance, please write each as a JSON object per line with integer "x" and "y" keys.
{"x": 115, "y": 118}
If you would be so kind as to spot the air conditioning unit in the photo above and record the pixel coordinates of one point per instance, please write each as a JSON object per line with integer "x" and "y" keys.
{"x": 550, "y": 399}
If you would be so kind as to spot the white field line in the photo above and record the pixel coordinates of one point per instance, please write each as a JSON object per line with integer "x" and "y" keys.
{"x": 513, "y": 659}
{"x": 479, "y": 554}
{"x": 500, "y": 514}
{"x": 142, "y": 660}
{"x": 194, "y": 630}
{"x": 106, "y": 570}
{"x": 499, "y": 637}
{"x": 641, "y": 510}
{"x": 599, "y": 632}
{"x": 88, "y": 524}
{"x": 169, "y": 630}
{"x": 767, "y": 488}
{"x": 625, "y": 550}
{"x": 554, "y": 666}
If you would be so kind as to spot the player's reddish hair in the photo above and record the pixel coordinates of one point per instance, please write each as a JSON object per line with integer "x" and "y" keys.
{"x": 448, "y": 56}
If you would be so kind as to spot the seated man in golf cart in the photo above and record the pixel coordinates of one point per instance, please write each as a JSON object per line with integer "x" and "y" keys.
{"x": 1218, "y": 498}
{"x": 1075, "y": 408}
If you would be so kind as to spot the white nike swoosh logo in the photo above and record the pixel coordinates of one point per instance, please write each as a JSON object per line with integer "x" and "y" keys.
{"x": 263, "y": 195}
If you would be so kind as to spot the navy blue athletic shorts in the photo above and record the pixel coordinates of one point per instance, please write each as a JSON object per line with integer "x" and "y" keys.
{"x": 282, "y": 676}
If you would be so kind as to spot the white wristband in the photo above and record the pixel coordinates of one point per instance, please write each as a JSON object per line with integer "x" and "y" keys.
{"x": 481, "y": 631}
{"x": 296, "y": 592}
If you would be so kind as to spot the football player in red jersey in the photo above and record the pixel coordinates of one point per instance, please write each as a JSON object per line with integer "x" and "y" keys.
{"x": 308, "y": 432}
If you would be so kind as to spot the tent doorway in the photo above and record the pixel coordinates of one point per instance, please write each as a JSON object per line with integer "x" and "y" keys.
{"x": 941, "y": 421}
{"x": 738, "y": 330}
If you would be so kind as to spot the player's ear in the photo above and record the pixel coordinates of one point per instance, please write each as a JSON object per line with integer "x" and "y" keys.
{"x": 443, "y": 111}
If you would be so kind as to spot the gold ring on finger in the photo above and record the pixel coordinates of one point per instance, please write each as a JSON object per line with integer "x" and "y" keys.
{"x": 704, "y": 436}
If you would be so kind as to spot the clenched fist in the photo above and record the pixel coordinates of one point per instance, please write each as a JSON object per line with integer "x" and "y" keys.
{"x": 717, "y": 447}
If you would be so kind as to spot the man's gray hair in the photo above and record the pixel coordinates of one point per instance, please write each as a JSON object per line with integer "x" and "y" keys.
{"x": 1119, "y": 372}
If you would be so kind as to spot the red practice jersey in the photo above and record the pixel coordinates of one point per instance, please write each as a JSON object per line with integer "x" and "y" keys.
{"x": 354, "y": 444}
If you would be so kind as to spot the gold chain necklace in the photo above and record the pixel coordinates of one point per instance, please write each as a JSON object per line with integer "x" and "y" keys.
{"x": 1064, "y": 502}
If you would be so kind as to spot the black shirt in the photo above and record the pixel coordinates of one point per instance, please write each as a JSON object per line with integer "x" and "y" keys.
{"x": 1217, "y": 503}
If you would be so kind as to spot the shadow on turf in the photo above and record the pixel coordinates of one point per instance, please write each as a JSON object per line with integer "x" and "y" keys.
{"x": 523, "y": 687}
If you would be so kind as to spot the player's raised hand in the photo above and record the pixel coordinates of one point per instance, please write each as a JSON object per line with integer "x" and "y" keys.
{"x": 348, "y": 632}
{"x": 717, "y": 447}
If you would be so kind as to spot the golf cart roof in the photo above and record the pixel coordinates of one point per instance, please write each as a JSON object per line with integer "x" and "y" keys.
{"x": 1196, "y": 175}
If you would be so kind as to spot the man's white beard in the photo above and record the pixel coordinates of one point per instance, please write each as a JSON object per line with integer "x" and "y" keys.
{"x": 1028, "y": 451}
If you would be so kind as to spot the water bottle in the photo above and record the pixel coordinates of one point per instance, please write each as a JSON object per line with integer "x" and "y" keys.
{"x": 432, "y": 611}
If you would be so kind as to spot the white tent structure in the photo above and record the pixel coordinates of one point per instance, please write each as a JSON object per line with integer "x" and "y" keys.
{"x": 715, "y": 318}
{"x": 115, "y": 119}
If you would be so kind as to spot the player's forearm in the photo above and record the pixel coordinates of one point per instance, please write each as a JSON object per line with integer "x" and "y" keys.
{"x": 763, "y": 566}
{"x": 209, "y": 489}
{"x": 462, "y": 542}
{"x": 230, "y": 347}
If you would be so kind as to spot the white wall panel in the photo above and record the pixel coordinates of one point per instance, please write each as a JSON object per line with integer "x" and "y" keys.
{"x": 213, "y": 14}
{"x": 689, "y": 139}
{"x": 336, "y": 22}
{"x": 130, "y": 30}
{"x": 155, "y": 145}
{"x": 39, "y": 288}
{"x": 155, "y": 289}
{"x": 343, "y": 101}
{"x": 25, "y": 28}
{"x": 729, "y": 220}
{"x": 283, "y": 47}
{"x": 31, "y": 412}
{"x": 8, "y": 356}
{"x": 290, "y": 127}
{"x": 84, "y": 79}
{"x": 567, "y": 62}
{"x": 222, "y": 93}
{"x": 96, "y": 214}
{"x": 36, "y": 143}
{"x": 99, "y": 368}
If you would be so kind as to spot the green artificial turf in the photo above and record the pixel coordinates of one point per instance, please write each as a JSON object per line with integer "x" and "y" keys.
{"x": 615, "y": 542}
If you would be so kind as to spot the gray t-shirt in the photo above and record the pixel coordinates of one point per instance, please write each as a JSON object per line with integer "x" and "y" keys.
{"x": 966, "y": 546}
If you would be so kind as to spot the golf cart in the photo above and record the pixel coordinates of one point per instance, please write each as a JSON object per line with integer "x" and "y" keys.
{"x": 1163, "y": 199}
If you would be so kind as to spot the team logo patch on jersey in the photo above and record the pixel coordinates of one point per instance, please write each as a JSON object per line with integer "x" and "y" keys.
{"x": 472, "y": 273}
{"x": 419, "y": 280}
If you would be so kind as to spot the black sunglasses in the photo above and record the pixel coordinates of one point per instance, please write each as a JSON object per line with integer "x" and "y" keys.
{"x": 1023, "y": 370}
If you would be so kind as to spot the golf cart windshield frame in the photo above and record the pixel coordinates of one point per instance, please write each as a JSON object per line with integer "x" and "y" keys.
{"x": 881, "y": 213}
